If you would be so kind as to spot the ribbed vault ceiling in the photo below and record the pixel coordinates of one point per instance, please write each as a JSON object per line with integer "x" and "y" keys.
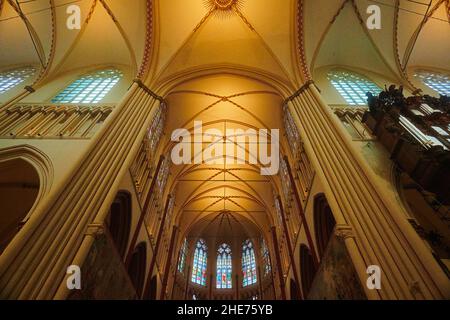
{"x": 413, "y": 34}
{"x": 260, "y": 37}
{"x": 206, "y": 191}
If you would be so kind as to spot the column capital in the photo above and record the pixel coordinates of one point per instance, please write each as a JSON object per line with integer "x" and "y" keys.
{"x": 344, "y": 231}
{"x": 95, "y": 229}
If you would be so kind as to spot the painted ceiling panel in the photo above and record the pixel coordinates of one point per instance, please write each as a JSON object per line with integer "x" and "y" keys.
{"x": 318, "y": 16}
{"x": 224, "y": 42}
{"x": 347, "y": 44}
{"x": 435, "y": 35}
{"x": 383, "y": 39}
{"x": 100, "y": 44}
{"x": 175, "y": 25}
{"x": 275, "y": 33}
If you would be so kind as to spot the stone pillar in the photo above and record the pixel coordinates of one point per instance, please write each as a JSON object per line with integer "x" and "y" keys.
{"x": 22, "y": 95}
{"x": 34, "y": 264}
{"x": 377, "y": 233}
{"x": 301, "y": 214}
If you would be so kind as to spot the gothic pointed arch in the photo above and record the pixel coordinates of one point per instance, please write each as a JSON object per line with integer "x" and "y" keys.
{"x": 25, "y": 177}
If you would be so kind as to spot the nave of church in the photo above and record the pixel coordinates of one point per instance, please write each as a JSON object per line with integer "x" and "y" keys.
{"x": 225, "y": 150}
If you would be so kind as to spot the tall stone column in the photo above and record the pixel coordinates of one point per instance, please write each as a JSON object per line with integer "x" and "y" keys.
{"x": 374, "y": 230}
{"x": 34, "y": 265}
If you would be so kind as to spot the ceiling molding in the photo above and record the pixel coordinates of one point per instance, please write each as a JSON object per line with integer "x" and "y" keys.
{"x": 300, "y": 48}
{"x": 32, "y": 33}
{"x": 77, "y": 39}
{"x": 372, "y": 41}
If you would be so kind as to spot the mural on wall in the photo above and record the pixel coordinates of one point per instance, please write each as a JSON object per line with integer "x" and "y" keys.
{"x": 336, "y": 277}
{"x": 103, "y": 275}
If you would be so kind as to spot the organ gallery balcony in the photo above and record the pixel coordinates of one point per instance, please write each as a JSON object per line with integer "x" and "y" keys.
{"x": 416, "y": 132}
{"x": 52, "y": 121}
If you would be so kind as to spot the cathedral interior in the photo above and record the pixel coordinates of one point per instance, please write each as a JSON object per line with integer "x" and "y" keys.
{"x": 136, "y": 139}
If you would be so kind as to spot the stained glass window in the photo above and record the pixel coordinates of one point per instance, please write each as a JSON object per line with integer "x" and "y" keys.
{"x": 183, "y": 253}
{"x": 11, "y": 78}
{"x": 224, "y": 267}
{"x": 248, "y": 264}
{"x": 437, "y": 81}
{"x": 200, "y": 263}
{"x": 266, "y": 258}
{"x": 91, "y": 88}
{"x": 352, "y": 87}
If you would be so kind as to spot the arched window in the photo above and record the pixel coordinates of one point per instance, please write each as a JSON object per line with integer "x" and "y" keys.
{"x": 437, "y": 81}
{"x": 248, "y": 264}
{"x": 11, "y": 78}
{"x": 200, "y": 263}
{"x": 183, "y": 253}
{"x": 285, "y": 181}
{"x": 163, "y": 175}
{"x": 352, "y": 87}
{"x": 19, "y": 189}
{"x": 91, "y": 88}
{"x": 224, "y": 267}
{"x": 266, "y": 258}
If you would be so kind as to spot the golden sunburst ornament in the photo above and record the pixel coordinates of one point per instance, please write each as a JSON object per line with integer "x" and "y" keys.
{"x": 223, "y": 8}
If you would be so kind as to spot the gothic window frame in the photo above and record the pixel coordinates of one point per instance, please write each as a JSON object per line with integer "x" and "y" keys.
{"x": 12, "y": 77}
{"x": 224, "y": 267}
{"x": 90, "y": 88}
{"x": 248, "y": 264}
{"x": 200, "y": 263}
{"x": 352, "y": 86}
{"x": 434, "y": 80}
